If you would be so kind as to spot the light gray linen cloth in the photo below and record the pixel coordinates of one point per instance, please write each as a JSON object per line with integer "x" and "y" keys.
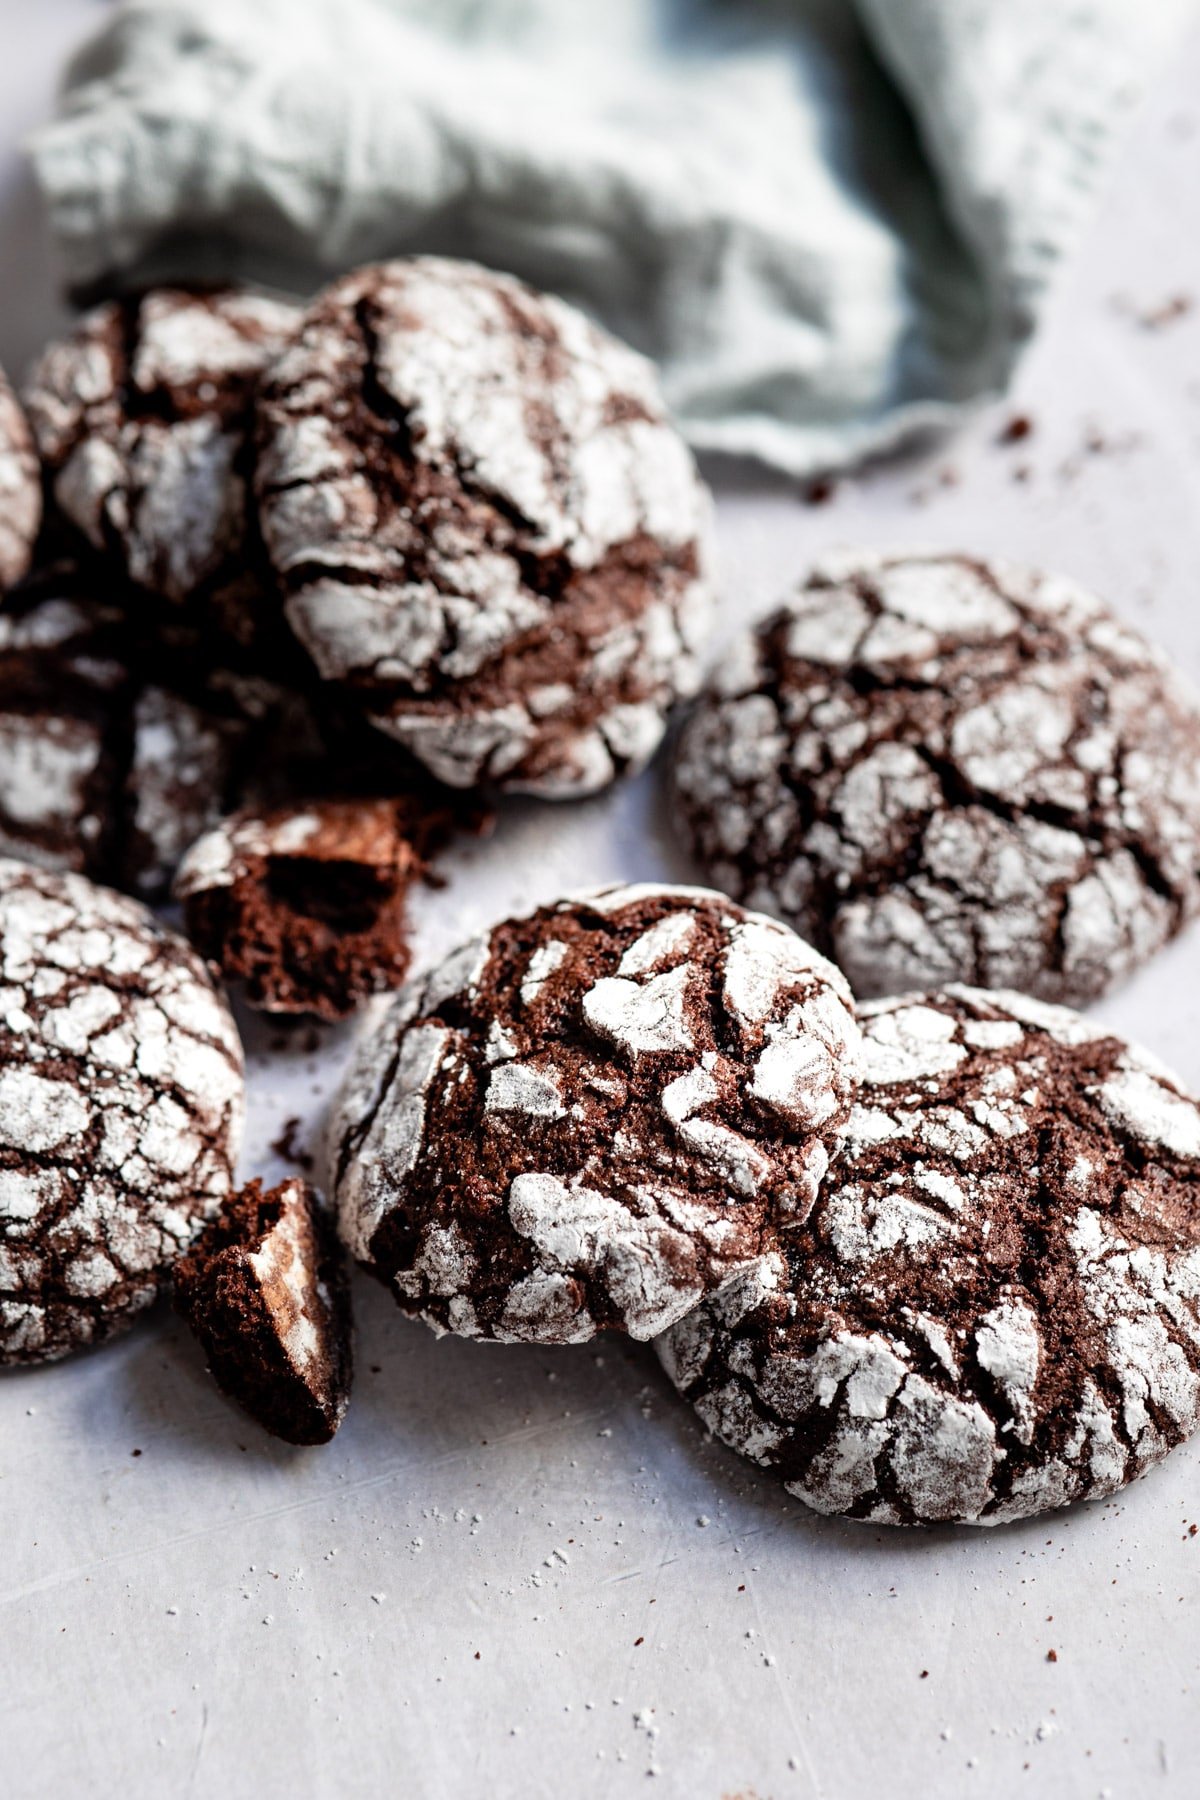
{"x": 832, "y": 222}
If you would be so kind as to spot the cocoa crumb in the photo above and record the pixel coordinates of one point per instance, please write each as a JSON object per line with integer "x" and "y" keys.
{"x": 820, "y": 492}
{"x": 1167, "y": 312}
{"x": 1017, "y": 429}
{"x": 285, "y": 1146}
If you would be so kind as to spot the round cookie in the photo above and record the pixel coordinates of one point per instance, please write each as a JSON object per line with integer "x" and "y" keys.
{"x": 120, "y": 1109}
{"x": 994, "y": 1307}
{"x": 585, "y": 1119}
{"x": 20, "y": 489}
{"x": 484, "y": 525}
{"x": 942, "y": 769}
{"x": 144, "y": 420}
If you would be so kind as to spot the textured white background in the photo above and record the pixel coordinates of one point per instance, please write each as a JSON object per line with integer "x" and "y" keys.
{"x": 525, "y": 1573}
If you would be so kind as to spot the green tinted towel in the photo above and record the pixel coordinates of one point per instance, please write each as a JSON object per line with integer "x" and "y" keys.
{"x": 831, "y": 222}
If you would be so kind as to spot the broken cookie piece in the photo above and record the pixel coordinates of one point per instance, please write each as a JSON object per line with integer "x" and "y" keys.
{"x": 307, "y": 905}
{"x": 265, "y": 1292}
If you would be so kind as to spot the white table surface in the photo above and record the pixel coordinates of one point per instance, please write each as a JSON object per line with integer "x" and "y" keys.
{"x": 523, "y": 1573}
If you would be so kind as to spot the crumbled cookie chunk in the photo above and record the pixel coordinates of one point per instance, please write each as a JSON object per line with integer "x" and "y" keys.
{"x": 943, "y": 769}
{"x": 265, "y": 1291}
{"x": 120, "y": 1109}
{"x": 484, "y": 524}
{"x": 994, "y": 1307}
{"x": 307, "y": 904}
{"x": 585, "y": 1119}
{"x": 20, "y": 489}
{"x": 144, "y": 420}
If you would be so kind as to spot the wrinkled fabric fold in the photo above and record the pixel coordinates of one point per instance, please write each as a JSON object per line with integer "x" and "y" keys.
{"x": 831, "y": 223}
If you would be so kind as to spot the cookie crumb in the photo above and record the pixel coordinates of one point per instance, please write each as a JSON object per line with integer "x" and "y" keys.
{"x": 287, "y": 1149}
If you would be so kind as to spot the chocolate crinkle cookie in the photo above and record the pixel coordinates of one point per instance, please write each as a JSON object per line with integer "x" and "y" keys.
{"x": 944, "y": 769}
{"x": 63, "y": 681}
{"x": 144, "y": 420}
{"x": 264, "y": 1289}
{"x": 484, "y": 525}
{"x": 307, "y": 904}
{"x": 121, "y": 1103}
{"x": 587, "y": 1118}
{"x": 20, "y": 489}
{"x": 118, "y": 750}
{"x": 994, "y": 1307}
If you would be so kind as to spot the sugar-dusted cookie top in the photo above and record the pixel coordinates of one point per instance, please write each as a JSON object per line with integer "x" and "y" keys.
{"x": 994, "y": 1307}
{"x": 586, "y": 1118}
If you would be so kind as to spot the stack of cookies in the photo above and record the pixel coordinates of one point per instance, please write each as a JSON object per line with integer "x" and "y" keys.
{"x": 289, "y": 596}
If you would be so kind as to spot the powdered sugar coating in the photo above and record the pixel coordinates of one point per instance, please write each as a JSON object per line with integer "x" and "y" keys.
{"x": 485, "y": 525}
{"x": 944, "y": 769}
{"x": 121, "y": 1102}
{"x": 144, "y": 418}
{"x": 586, "y": 1119}
{"x": 994, "y": 1307}
{"x": 59, "y": 679}
{"x": 104, "y": 771}
{"x": 20, "y": 489}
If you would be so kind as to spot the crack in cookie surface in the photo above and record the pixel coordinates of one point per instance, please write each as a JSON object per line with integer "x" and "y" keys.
{"x": 586, "y": 1118}
{"x": 994, "y": 1307}
{"x": 306, "y": 904}
{"x": 943, "y": 769}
